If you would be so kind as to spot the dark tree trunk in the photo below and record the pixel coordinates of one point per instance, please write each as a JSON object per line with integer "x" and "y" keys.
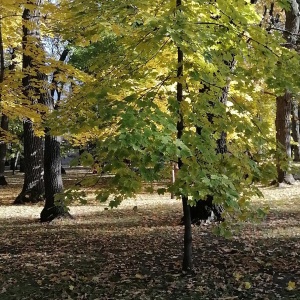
{"x": 296, "y": 131}
{"x": 4, "y": 119}
{"x": 3, "y": 147}
{"x": 53, "y": 179}
{"x": 52, "y": 164}
{"x": 206, "y": 210}
{"x": 22, "y": 165}
{"x": 283, "y": 136}
{"x": 33, "y": 187}
{"x": 187, "y": 263}
{"x": 284, "y": 103}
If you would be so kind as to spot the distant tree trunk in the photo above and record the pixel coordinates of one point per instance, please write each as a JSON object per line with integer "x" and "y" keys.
{"x": 296, "y": 130}
{"x": 4, "y": 119}
{"x": 33, "y": 187}
{"x": 3, "y": 147}
{"x": 283, "y": 136}
{"x": 53, "y": 179}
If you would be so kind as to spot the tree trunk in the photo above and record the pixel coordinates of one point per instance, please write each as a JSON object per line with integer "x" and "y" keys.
{"x": 3, "y": 147}
{"x": 4, "y": 119}
{"x": 53, "y": 179}
{"x": 187, "y": 263}
{"x": 296, "y": 130}
{"x": 283, "y": 136}
{"x": 284, "y": 103}
{"x": 52, "y": 163}
{"x": 33, "y": 187}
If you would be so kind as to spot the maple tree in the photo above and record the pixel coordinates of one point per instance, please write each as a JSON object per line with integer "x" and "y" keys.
{"x": 145, "y": 122}
{"x": 183, "y": 82}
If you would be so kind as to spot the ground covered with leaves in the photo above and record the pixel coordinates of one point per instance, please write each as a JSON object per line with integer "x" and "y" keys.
{"x": 135, "y": 252}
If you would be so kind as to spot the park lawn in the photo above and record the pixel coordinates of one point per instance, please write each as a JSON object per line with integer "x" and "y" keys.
{"x": 131, "y": 253}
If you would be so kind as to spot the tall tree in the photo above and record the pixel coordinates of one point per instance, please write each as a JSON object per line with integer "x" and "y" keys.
{"x": 296, "y": 130}
{"x": 4, "y": 118}
{"x": 141, "y": 111}
{"x": 33, "y": 188}
{"x": 187, "y": 249}
{"x": 284, "y": 102}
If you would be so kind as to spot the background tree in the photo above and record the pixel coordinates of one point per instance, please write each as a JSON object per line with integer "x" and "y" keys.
{"x": 284, "y": 102}
{"x": 4, "y": 119}
{"x": 52, "y": 156}
{"x": 295, "y": 130}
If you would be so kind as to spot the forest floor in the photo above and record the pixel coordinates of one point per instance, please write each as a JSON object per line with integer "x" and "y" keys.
{"x": 129, "y": 253}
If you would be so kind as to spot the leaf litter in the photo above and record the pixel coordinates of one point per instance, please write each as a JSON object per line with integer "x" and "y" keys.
{"x": 131, "y": 253}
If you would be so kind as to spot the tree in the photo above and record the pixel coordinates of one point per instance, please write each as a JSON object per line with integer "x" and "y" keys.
{"x": 187, "y": 249}
{"x": 4, "y": 119}
{"x": 284, "y": 102}
{"x": 296, "y": 130}
{"x": 52, "y": 158}
{"x": 143, "y": 118}
{"x": 33, "y": 188}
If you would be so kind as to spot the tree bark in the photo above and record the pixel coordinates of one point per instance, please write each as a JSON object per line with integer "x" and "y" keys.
{"x": 296, "y": 130}
{"x": 4, "y": 119}
{"x": 187, "y": 263}
{"x": 284, "y": 103}
{"x": 3, "y": 147}
{"x": 52, "y": 163}
{"x": 53, "y": 179}
{"x": 33, "y": 187}
{"x": 283, "y": 136}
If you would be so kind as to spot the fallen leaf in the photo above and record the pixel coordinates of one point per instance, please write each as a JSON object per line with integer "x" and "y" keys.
{"x": 291, "y": 286}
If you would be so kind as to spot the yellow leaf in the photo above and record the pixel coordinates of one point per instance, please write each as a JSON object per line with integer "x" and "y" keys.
{"x": 71, "y": 287}
{"x": 291, "y": 286}
{"x": 247, "y": 285}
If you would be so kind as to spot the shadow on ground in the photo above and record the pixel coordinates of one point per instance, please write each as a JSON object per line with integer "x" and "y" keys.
{"x": 136, "y": 254}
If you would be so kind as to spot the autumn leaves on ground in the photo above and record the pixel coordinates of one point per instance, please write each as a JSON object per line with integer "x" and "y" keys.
{"x": 135, "y": 252}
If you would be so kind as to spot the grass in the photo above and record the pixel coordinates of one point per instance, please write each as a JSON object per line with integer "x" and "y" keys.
{"x": 137, "y": 254}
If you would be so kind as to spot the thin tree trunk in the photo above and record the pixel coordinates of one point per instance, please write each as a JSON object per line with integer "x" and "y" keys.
{"x": 296, "y": 130}
{"x": 4, "y": 119}
{"x": 3, "y": 147}
{"x": 187, "y": 263}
